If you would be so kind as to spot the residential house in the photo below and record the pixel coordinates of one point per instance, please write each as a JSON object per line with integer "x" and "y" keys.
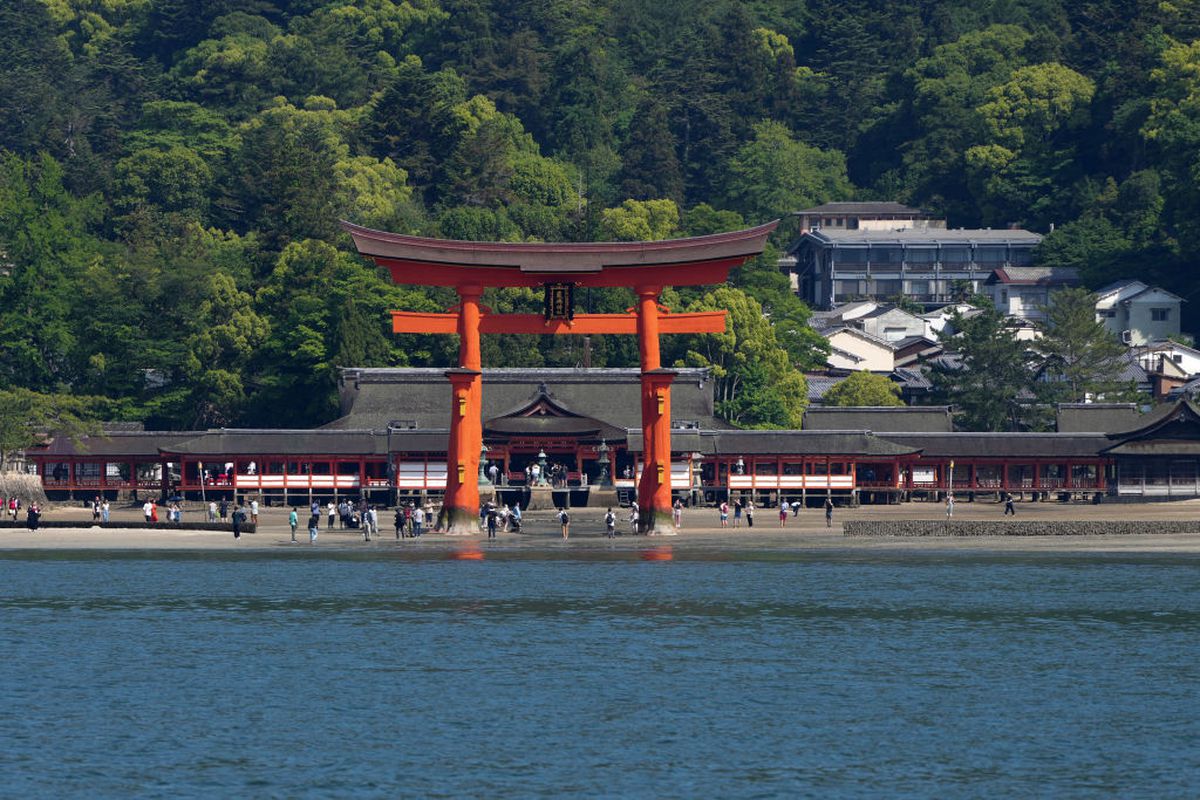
{"x": 852, "y": 216}
{"x": 854, "y": 350}
{"x": 1023, "y": 291}
{"x": 1138, "y": 313}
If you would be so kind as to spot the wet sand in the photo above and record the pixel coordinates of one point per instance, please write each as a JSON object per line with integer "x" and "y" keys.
{"x": 700, "y": 530}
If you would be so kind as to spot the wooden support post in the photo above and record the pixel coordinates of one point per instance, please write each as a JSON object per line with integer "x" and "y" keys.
{"x": 460, "y": 509}
{"x": 654, "y": 488}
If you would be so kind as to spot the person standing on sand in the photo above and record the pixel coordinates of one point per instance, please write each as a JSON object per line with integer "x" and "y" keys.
{"x": 949, "y": 506}
{"x": 32, "y": 515}
{"x": 677, "y": 513}
{"x": 724, "y": 509}
{"x": 313, "y": 521}
{"x": 564, "y": 519}
{"x": 293, "y": 521}
{"x": 224, "y": 509}
{"x": 212, "y": 510}
{"x": 96, "y": 509}
{"x": 783, "y": 509}
{"x": 828, "y": 512}
{"x": 105, "y": 509}
{"x": 610, "y": 524}
{"x": 1008, "y": 505}
{"x": 418, "y": 520}
{"x": 737, "y": 513}
{"x": 750, "y": 513}
{"x": 146, "y": 510}
{"x": 237, "y": 523}
{"x": 633, "y": 519}
{"x": 254, "y": 511}
{"x": 331, "y": 509}
{"x": 154, "y": 512}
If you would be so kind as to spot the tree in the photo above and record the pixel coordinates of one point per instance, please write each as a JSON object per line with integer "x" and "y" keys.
{"x": 990, "y": 383}
{"x": 26, "y": 417}
{"x": 864, "y": 389}
{"x": 1081, "y": 360}
{"x": 775, "y": 174}
{"x": 640, "y": 221}
{"x": 755, "y": 382}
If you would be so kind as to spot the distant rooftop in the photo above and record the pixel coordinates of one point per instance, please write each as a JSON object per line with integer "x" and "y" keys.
{"x": 1036, "y": 276}
{"x": 853, "y": 208}
{"x": 959, "y": 236}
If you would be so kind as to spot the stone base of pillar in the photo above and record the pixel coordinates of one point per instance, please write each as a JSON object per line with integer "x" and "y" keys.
{"x": 656, "y": 523}
{"x": 603, "y": 497}
{"x": 459, "y": 521}
{"x": 541, "y": 498}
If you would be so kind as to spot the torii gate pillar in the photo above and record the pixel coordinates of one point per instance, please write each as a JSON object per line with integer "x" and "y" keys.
{"x": 654, "y": 486}
{"x": 460, "y": 511}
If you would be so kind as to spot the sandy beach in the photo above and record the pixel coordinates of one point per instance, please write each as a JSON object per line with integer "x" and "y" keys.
{"x": 700, "y": 529}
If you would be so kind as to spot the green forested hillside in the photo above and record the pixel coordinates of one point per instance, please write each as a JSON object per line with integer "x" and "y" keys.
{"x": 173, "y": 170}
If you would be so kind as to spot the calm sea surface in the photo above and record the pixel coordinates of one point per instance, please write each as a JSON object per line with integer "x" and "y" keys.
{"x": 715, "y": 674}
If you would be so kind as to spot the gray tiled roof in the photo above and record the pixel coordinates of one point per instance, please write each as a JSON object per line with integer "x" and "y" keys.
{"x": 143, "y": 444}
{"x": 929, "y": 236}
{"x": 1041, "y": 276}
{"x": 1096, "y": 417}
{"x": 1004, "y": 445}
{"x": 371, "y": 398}
{"x": 879, "y": 418}
{"x": 249, "y": 442}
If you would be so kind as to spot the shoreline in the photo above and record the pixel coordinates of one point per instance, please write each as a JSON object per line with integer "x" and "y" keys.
{"x": 700, "y": 531}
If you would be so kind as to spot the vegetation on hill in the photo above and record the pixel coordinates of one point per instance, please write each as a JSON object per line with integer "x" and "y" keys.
{"x": 172, "y": 171}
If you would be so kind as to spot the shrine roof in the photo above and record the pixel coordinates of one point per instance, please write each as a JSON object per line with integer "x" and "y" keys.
{"x": 527, "y": 263}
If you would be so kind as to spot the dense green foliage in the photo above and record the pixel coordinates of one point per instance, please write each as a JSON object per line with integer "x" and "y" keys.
{"x": 172, "y": 171}
{"x": 864, "y": 389}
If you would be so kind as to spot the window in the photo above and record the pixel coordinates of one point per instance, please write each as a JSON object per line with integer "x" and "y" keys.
{"x": 991, "y": 255}
{"x": 920, "y": 255}
{"x": 1110, "y": 313}
{"x": 886, "y": 255}
{"x": 1160, "y": 314}
{"x": 851, "y": 255}
{"x": 887, "y": 288}
{"x": 956, "y": 255}
{"x": 918, "y": 288}
{"x": 1021, "y": 257}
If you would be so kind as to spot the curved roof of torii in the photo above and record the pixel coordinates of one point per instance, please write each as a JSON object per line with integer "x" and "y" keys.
{"x": 450, "y": 262}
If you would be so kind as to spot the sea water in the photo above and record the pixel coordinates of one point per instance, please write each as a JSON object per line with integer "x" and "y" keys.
{"x": 622, "y": 674}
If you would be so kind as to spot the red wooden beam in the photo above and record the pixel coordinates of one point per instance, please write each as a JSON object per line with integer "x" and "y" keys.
{"x": 687, "y": 322}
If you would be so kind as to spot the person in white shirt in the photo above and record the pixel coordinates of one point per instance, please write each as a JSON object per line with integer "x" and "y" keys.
{"x": 148, "y": 510}
{"x": 254, "y": 511}
{"x": 212, "y": 510}
{"x": 418, "y": 520}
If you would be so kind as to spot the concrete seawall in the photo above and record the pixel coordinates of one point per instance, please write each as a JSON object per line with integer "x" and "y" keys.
{"x": 1017, "y": 528}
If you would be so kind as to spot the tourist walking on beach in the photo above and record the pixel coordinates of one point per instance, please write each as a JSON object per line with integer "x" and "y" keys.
{"x": 237, "y": 522}
{"x": 564, "y": 519}
{"x": 828, "y": 512}
{"x": 96, "y": 509}
{"x": 949, "y": 506}
{"x": 783, "y": 509}
{"x": 737, "y": 513}
{"x": 633, "y": 519}
{"x": 332, "y": 509}
{"x": 293, "y": 521}
{"x": 677, "y": 513}
{"x": 418, "y": 520}
{"x": 146, "y": 509}
{"x": 1008, "y": 505}
{"x": 104, "y": 511}
{"x": 724, "y": 509}
{"x": 32, "y": 516}
{"x": 750, "y": 513}
{"x": 313, "y": 521}
{"x": 610, "y": 524}
{"x": 224, "y": 509}
{"x": 254, "y": 511}
{"x": 212, "y": 510}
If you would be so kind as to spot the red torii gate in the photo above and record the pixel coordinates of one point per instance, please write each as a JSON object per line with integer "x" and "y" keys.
{"x": 646, "y": 267}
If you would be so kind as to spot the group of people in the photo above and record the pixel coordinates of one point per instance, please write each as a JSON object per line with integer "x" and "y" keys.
{"x": 747, "y": 509}
{"x": 13, "y": 505}
{"x": 502, "y": 518}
